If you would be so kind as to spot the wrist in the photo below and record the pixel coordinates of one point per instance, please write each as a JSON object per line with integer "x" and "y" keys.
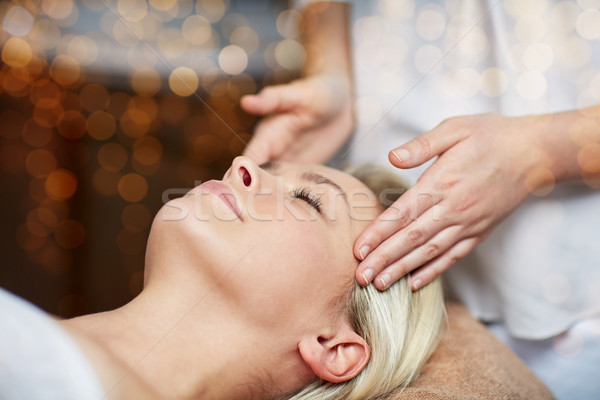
{"x": 566, "y": 146}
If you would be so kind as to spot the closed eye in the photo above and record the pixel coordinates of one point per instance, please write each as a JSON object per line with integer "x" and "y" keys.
{"x": 307, "y": 196}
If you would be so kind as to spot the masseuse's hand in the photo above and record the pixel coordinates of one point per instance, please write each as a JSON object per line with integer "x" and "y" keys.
{"x": 307, "y": 120}
{"x": 486, "y": 166}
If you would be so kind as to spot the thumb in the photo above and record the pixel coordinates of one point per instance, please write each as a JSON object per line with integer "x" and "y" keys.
{"x": 272, "y": 99}
{"x": 424, "y": 147}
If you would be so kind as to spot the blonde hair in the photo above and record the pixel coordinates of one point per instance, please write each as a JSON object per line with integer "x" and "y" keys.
{"x": 401, "y": 327}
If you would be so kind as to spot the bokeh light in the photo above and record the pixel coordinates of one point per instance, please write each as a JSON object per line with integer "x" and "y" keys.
{"x": 132, "y": 187}
{"x": 17, "y": 21}
{"x": 183, "y": 81}
{"x": 64, "y": 70}
{"x": 61, "y": 184}
{"x": 16, "y": 52}
{"x": 233, "y": 60}
{"x": 100, "y": 125}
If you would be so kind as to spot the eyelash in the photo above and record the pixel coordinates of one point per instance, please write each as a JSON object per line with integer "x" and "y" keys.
{"x": 307, "y": 196}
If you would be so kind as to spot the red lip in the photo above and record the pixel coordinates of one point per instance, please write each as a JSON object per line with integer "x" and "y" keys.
{"x": 224, "y": 193}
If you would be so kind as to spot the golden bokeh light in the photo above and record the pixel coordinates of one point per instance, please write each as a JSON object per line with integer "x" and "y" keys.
{"x": 45, "y": 34}
{"x": 163, "y": 5}
{"x": 16, "y": 52}
{"x": 147, "y": 150}
{"x": 290, "y": 54}
{"x": 47, "y": 118}
{"x": 94, "y": 97}
{"x": 183, "y": 81}
{"x": 101, "y": 125}
{"x": 213, "y": 10}
{"x": 134, "y": 122}
{"x": 112, "y": 157}
{"x": 17, "y": 21}
{"x": 57, "y": 9}
{"x": 540, "y": 181}
{"x": 64, "y": 70}
{"x": 36, "y": 135}
{"x": 44, "y": 215}
{"x": 37, "y": 190}
{"x": 127, "y": 33}
{"x": 133, "y": 187}
{"x": 45, "y": 94}
{"x": 233, "y": 59}
{"x": 246, "y": 38}
{"x": 83, "y": 49}
{"x": 196, "y": 30}
{"x": 69, "y": 234}
{"x": 61, "y": 184}
{"x": 146, "y": 104}
{"x": 40, "y": 162}
{"x": 132, "y": 10}
{"x": 288, "y": 24}
{"x": 146, "y": 81}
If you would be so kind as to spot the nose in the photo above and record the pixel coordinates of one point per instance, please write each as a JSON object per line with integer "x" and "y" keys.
{"x": 245, "y": 173}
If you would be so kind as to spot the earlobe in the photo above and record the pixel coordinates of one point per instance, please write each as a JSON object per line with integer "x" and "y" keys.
{"x": 336, "y": 359}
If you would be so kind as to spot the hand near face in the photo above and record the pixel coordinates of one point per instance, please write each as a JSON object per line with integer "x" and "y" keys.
{"x": 486, "y": 166}
{"x": 307, "y": 120}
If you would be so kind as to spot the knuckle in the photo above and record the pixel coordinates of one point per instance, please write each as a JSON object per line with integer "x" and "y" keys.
{"x": 424, "y": 144}
{"x": 465, "y": 203}
{"x": 432, "y": 250}
{"x": 382, "y": 260}
{"x": 394, "y": 213}
{"x": 415, "y": 236}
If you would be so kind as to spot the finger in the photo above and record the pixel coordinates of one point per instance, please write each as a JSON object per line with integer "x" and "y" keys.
{"x": 426, "y": 146}
{"x": 427, "y": 251}
{"x": 272, "y": 99}
{"x": 434, "y": 268}
{"x": 401, "y": 213}
{"x": 409, "y": 248}
{"x": 272, "y": 136}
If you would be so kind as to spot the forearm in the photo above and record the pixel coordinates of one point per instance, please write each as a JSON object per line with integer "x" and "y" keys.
{"x": 326, "y": 38}
{"x": 570, "y": 145}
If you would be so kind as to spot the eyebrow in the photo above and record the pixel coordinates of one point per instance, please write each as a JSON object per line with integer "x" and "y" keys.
{"x": 319, "y": 179}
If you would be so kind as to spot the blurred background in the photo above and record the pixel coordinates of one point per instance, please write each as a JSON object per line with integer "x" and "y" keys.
{"x": 109, "y": 108}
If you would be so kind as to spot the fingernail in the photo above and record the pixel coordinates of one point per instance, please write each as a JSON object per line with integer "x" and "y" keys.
{"x": 367, "y": 275}
{"x": 384, "y": 279}
{"x": 417, "y": 284}
{"x": 363, "y": 252}
{"x": 401, "y": 154}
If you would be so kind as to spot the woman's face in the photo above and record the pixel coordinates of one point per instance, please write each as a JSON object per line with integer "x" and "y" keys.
{"x": 275, "y": 240}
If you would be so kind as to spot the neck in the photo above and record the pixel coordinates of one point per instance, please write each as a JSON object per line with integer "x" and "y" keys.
{"x": 182, "y": 347}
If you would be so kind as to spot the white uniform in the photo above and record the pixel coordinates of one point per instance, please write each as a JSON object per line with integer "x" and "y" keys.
{"x": 417, "y": 63}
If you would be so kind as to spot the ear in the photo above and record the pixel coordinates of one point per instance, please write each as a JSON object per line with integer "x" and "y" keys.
{"x": 338, "y": 358}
